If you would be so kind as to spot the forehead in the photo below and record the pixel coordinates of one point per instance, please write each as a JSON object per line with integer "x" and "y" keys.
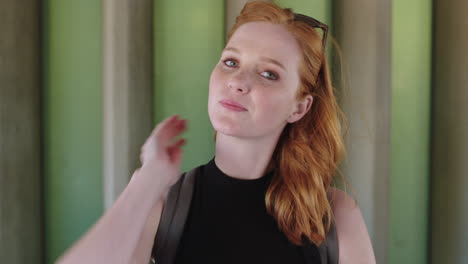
{"x": 267, "y": 40}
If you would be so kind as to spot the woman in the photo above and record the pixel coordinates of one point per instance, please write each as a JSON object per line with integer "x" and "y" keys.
{"x": 278, "y": 145}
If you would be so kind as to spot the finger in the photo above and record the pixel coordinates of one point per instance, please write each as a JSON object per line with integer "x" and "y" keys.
{"x": 175, "y": 156}
{"x": 174, "y": 151}
{"x": 164, "y": 123}
{"x": 171, "y": 130}
{"x": 179, "y": 143}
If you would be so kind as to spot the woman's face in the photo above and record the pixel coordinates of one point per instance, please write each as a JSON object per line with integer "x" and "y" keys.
{"x": 253, "y": 86}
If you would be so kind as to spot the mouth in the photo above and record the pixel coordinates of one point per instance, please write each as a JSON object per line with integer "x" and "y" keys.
{"x": 232, "y": 105}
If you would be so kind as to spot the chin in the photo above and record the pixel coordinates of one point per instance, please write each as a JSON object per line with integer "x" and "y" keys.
{"x": 226, "y": 125}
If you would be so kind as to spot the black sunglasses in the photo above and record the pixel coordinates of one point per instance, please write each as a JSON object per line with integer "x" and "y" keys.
{"x": 315, "y": 24}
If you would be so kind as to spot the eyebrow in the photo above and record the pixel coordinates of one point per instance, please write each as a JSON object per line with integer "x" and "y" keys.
{"x": 261, "y": 58}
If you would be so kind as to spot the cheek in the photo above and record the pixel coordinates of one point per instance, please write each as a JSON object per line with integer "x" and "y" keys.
{"x": 216, "y": 82}
{"x": 211, "y": 86}
{"x": 274, "y": 106}
{"x": 214, "y": 90}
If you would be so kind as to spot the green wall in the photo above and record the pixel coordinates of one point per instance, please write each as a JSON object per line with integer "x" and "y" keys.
{"x": 189, "y": 37}
{"x": 410, "y": 133}
{"x": 73, "y": 120}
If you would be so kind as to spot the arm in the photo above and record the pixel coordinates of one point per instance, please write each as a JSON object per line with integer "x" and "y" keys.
{"x": 353, "y": 239}
{"x": 114, "y": 237}
{"x": 142, "y": 252}
{"x": 123, "y": 233}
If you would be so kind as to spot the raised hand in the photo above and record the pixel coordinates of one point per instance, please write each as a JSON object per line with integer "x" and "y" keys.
{"x": 162, "y": 153}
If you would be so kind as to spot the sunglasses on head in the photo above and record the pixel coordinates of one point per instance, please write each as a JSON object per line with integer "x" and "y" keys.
{"x": 315, "y": 24}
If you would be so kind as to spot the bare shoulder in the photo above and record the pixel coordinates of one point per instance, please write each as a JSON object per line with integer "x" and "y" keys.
{"x": 341, "y": 198}
{"x": 353, "y": 239}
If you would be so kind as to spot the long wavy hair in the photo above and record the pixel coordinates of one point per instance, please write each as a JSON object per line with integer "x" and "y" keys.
{"x": 308, "y": 151}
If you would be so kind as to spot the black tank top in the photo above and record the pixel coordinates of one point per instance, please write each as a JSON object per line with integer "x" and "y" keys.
{"x": 228, "y": 223}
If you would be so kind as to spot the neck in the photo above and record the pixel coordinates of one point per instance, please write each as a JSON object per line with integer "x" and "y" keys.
{"x": 244, "y": 158}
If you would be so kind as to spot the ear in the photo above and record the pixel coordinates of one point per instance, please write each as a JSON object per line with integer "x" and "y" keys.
{"x": 301, "y": 108}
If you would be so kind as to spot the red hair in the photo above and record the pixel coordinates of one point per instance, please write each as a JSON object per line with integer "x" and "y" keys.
{"x": 309, "y": 150}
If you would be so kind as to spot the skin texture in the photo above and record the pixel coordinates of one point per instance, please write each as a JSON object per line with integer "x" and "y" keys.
{"x": 246, "y": 140}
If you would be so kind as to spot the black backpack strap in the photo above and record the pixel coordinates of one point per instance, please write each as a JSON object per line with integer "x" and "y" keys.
{"x": 173, "y": 217}
{"x": 329, "y": 250}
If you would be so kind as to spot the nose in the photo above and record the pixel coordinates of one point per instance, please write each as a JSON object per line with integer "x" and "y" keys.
{"x": 240, "y": 82}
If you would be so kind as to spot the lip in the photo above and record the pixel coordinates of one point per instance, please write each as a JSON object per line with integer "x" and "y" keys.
{"x": 232, "y": 105}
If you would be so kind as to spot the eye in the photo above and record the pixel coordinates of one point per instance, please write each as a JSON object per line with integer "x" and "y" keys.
{"x": 269, "y": 75}
{"x": 230, "y": 63}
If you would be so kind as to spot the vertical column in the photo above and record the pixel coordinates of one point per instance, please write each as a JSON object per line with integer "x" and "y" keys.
{"x": 73, "y": 120}
{"x": 363, "y": 31}
{"x": 127, "y": 89}
{"x": 232, "y": 10}
{"x": 410, "y": 132}
{"x": 321, "y": 9}
{"x": 449, "y": 240}
{"x": 21, "y": 225}
{"x": 189, "y": 38}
